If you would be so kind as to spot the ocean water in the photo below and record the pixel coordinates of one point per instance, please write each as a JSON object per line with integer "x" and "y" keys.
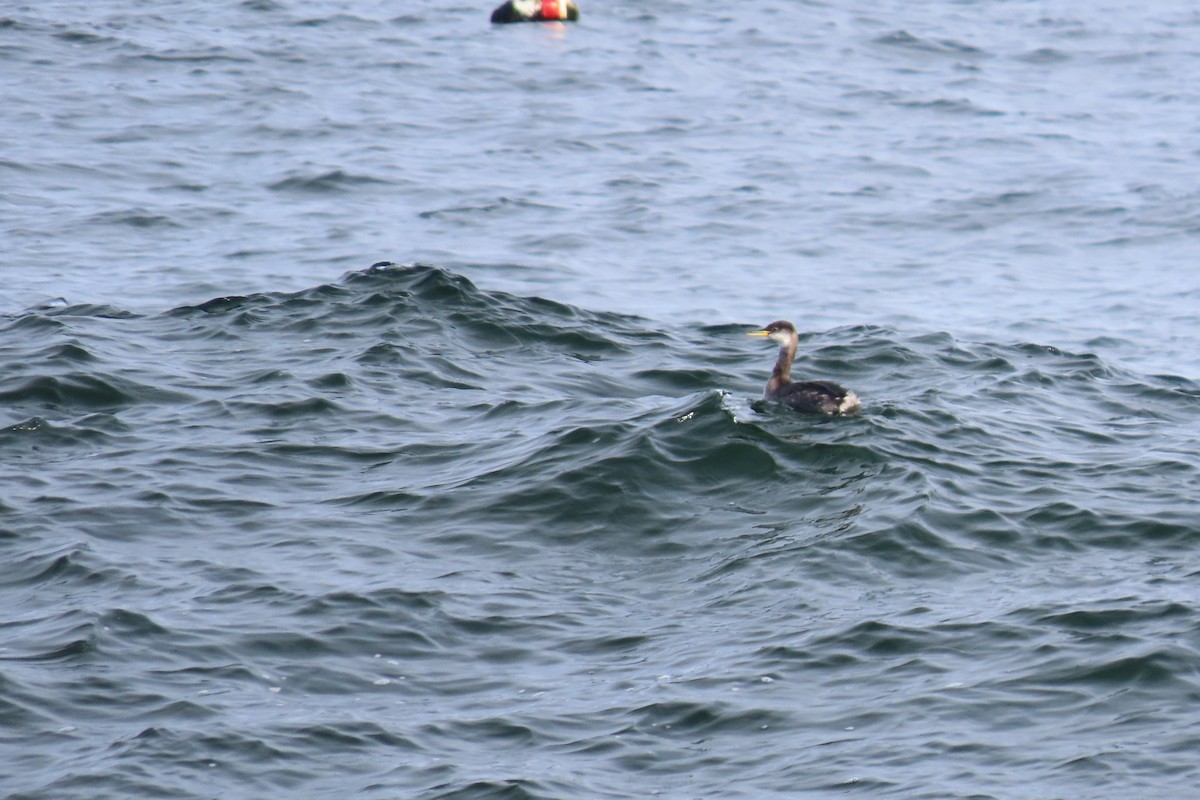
{"x": 376, "y": 418}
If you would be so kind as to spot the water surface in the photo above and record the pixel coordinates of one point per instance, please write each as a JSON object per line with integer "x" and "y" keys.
{"x": 500, "y": 516}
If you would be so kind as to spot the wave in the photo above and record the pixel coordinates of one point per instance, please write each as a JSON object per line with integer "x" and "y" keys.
{"x": 487, "y": 416}
{"x": 500, "y": 522}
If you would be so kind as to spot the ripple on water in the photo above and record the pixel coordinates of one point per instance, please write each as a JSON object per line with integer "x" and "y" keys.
{"x": 402, "y": 514}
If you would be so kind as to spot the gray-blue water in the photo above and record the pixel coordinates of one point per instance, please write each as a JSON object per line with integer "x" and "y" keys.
{"x": 501, "y": 516}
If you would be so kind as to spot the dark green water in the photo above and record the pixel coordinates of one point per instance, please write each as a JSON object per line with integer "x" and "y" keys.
{"x": 514, "y": 525}
{"x": 397, "y": 536}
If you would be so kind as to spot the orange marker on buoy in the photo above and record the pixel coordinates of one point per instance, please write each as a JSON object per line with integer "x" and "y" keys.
{"x": 536, "y": 11}
{"x": 554, "y": 9}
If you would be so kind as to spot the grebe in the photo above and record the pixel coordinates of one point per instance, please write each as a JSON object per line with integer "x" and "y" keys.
{"x": 810, "y": 397}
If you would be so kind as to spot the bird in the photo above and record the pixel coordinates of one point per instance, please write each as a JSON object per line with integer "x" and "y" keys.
{"x": 809, "y": 397}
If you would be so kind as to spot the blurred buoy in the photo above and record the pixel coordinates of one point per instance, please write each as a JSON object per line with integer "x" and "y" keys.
{"x": 536, "y": 11}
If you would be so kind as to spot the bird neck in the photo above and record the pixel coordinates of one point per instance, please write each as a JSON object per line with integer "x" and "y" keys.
{"x": 782, "y": 374}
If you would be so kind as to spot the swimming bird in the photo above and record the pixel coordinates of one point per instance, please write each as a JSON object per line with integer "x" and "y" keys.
{"x": 811, "y": 397}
